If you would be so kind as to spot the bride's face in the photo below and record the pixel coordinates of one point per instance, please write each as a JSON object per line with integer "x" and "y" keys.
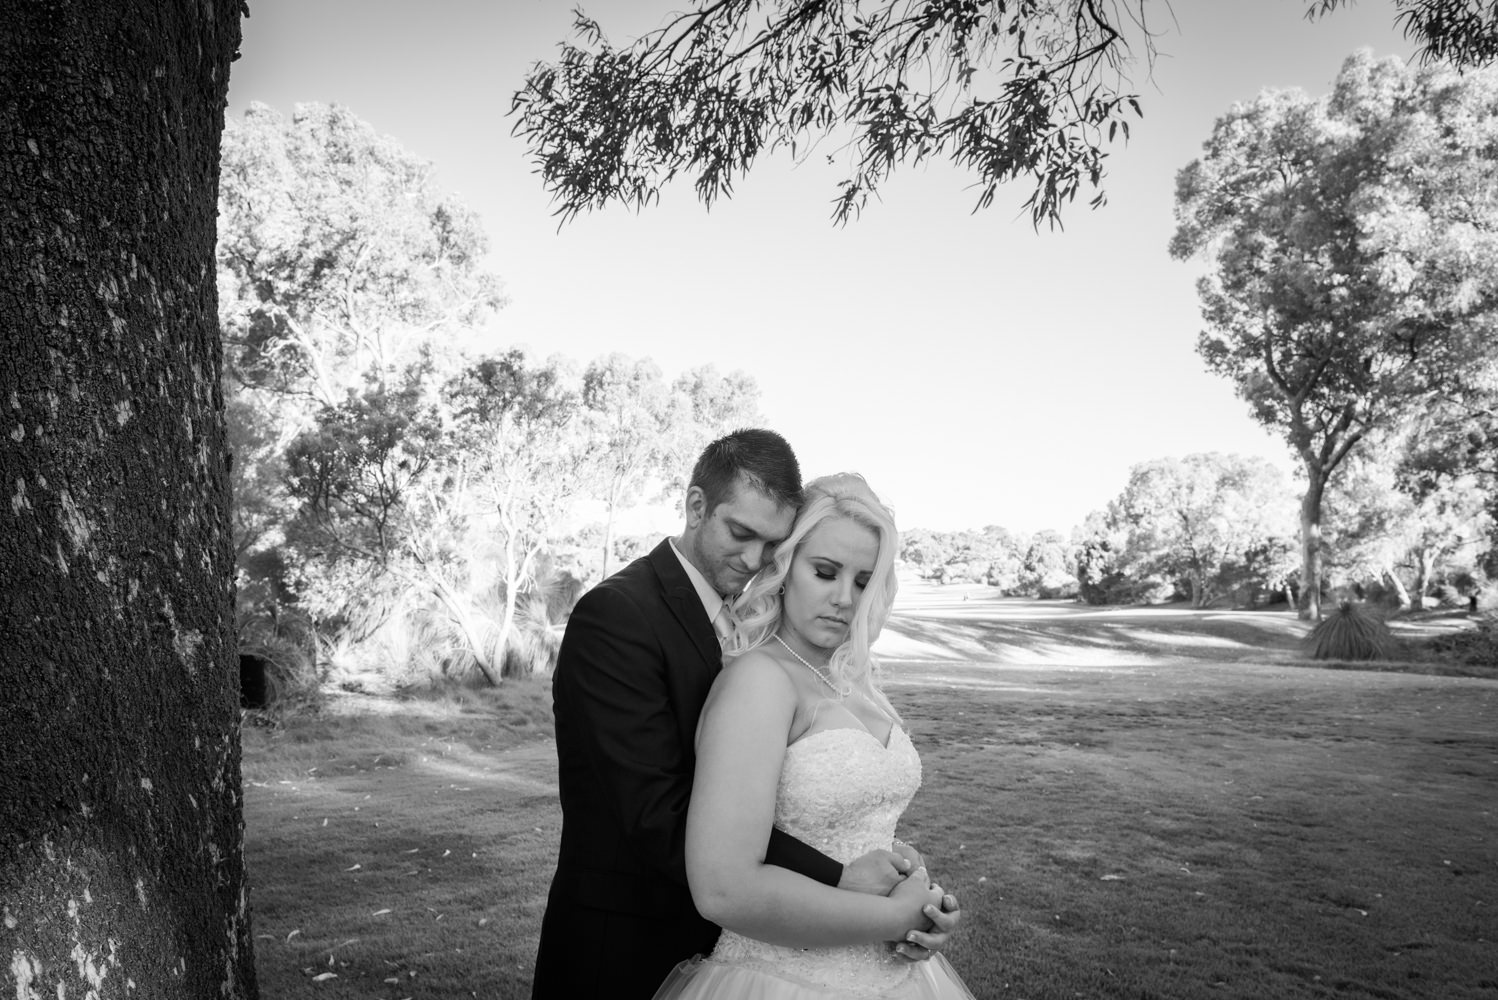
{"x": 828, "y": 574}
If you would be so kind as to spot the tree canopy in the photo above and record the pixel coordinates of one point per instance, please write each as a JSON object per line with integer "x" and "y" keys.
{"x": 338, "y": 256}
{"x": 1457, "y": 32}
{"x": 1032, "y": 90}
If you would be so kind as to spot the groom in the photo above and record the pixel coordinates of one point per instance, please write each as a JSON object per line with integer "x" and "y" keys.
{"x": 639, "y": 655}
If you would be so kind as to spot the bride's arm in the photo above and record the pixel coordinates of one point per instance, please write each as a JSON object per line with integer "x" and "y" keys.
{"x": 741, "y": 746}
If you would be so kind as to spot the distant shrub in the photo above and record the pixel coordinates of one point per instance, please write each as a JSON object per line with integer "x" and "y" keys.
{"x": 1373, "y": 592}
{"x": 534, "y": 644}
{"x": 283, "y": 651}
{"x": 1064, "y": 590}
{"x": 1150, "y": 590}
{"x": 1352, "y": 632}
{"x": 1475, "y": 647}
{"x": 1448, "y": 596}
{"x": 1467, "y": 580}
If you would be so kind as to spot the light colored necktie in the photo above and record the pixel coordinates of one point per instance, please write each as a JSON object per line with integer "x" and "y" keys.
{"x": 723, "y": 622}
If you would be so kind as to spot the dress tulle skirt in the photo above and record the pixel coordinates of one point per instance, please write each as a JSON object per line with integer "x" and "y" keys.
{"x": 711, "y": 979}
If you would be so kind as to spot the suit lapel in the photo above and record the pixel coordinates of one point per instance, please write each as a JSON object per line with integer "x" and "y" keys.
{"x": 684, "y": 604}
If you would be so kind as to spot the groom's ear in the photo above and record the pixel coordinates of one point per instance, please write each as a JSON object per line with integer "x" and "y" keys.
{"x": 696, "y": 506}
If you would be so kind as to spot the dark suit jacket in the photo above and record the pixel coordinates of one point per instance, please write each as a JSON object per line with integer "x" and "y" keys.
{"x": 636, "y": 663}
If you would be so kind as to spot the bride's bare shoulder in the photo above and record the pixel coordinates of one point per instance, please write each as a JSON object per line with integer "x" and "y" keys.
{"x": 756, "y": 666}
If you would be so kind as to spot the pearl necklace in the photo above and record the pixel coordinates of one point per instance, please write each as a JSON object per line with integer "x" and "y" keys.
{"x": 841, "y": 692}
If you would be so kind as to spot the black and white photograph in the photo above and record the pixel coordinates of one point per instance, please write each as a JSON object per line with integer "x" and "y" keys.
{"x": 749, "y": 500}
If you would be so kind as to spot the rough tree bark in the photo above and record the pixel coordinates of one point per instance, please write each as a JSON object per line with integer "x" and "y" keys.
{"x": 121, "y": 833}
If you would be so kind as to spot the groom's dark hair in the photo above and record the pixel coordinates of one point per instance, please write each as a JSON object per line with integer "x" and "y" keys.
{"x": 762, "y": 457}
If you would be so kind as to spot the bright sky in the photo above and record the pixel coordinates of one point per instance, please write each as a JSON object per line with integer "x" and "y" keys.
{"x": 976, "y": 371}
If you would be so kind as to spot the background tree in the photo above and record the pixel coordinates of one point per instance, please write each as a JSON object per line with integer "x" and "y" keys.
{"x": 1097, "y": 551}
{"x": 1003, "y": 552}
{"x": 520, "y": 457}
{"x": 923, "y": 549}
{"x": 705, "y": 405}
{"x": 1352, "y": 251}
{"x": 350, "y": 288}
{"x": 353, "y": 475}
{"x": 1198, "y": 518}
{"x": 1048, "y": 569}
{"x": 121, "y": 839}
{"x": 431, "y": 512}
{"x": 647, "y": 434}
{"x": 1452, "y": 449}
{"x": 339, "y": 259}
{"x": 629, "y": 413}
{"x": 1401, "y": 512}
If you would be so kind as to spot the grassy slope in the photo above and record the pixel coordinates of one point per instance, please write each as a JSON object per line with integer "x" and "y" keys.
{"x": 1165, "y": 821}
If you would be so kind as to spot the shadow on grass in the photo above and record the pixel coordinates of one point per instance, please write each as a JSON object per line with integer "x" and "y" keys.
{"x": 1152, "y": 826}
{"x": 1024, "y": 631}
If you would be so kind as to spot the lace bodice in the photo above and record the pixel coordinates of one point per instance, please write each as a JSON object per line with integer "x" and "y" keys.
{"x": 842, "y": 792}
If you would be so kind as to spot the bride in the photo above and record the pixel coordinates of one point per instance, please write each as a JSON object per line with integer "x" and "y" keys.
{"x": 797, "y": 734}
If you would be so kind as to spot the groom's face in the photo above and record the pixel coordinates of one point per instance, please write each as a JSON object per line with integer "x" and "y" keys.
{"x": 731, "y": 542}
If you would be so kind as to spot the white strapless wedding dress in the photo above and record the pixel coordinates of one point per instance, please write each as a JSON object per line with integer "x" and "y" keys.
{"x": 842, "y": 792}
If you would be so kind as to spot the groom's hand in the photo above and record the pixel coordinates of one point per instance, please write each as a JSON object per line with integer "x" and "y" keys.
{"x": 920, "y": 945}
{"x": 877, "y": 872}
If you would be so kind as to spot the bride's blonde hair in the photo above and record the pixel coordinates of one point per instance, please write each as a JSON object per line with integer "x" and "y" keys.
{"x": 758, "y": 610}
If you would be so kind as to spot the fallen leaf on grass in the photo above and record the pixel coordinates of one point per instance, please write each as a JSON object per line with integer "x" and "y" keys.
{"x": 354, "y": 868}
{"x": 414, "y": 850}
{"x": 380, "y": 913}
{"x": 293, "y": 934}
{"x": 324, "y": 975}
{"x": 1111, "y": 878}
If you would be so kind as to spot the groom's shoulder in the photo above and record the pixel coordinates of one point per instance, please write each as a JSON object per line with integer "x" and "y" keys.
{"x": 639, "y": 578}
{"x": 631, "y": 600}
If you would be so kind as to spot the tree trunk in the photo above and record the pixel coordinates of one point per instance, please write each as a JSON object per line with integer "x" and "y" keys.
{"x": 608, "y": 541}
{"x": 1392, "y": 579}
{"x": 608, "y": 528}
{"x": 1310, "y": 543}
{"x": 1424, "y": 569}
{"x": 121, "y": 831}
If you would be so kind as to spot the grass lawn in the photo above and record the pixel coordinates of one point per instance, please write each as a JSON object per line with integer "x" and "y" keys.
{"x": 1133, "y": 808}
